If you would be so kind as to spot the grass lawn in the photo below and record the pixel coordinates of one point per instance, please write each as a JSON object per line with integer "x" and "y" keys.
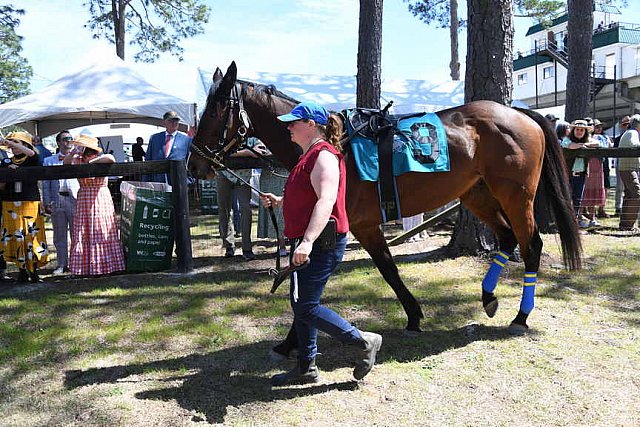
{"x": 169, "y": 350}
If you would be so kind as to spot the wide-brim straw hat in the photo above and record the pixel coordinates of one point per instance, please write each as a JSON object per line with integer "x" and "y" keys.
{"x": 87, "y": 142}
{"x": 581, "y": 124}
{"x": 22, "y": 137}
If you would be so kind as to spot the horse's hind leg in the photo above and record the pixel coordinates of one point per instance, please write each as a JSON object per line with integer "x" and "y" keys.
{"x": 531, "y": 254}
{"x": 480, "y": 201}
{"x": 517, "y": 205}
{"x": 372, "y": 240}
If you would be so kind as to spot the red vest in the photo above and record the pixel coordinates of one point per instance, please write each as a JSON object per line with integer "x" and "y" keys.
{"x": 300, "y": 197}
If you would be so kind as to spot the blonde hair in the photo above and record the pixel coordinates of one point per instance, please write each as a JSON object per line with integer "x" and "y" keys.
{"x": 333, "y": 130}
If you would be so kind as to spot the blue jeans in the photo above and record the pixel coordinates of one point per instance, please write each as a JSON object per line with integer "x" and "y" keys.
{"x": 309, "y": 316}
{"x": 577, "y": 187}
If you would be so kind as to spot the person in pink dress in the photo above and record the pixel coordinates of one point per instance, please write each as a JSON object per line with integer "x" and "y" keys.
{"x": 95, "y": 243}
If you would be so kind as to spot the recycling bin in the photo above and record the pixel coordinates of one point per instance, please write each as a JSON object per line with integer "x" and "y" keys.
{"x": 146, "y": 225}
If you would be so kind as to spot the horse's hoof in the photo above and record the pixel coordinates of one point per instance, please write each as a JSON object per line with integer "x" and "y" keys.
{"x": 517, "y": 329}
{"x": 491, "y": 308}
{"x": 411, "y": 333}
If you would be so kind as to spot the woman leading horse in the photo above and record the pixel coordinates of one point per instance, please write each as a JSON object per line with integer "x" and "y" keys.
{"x": 499, "y": 159}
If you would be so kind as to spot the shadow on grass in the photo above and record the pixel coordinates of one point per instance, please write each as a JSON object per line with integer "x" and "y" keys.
{"x": 231, "y": 271}
{"x": 238, "y": 375}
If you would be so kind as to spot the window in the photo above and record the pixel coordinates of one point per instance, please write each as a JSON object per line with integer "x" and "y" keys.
{"x": 522, "y": 79}
{"x": 547, "y": 72}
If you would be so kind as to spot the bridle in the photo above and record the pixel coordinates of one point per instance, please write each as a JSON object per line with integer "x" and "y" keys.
{"x": 235, "y": 110}
{"x": 217, "y": 155}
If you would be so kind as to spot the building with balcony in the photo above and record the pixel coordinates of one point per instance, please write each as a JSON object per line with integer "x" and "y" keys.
{"x": 540, "y": 74}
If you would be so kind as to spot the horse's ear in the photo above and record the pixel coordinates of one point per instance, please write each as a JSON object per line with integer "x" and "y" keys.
{"x": 229, "y": 79}
{"x": 217, "y": 75}
{"x": 232, "y": 72}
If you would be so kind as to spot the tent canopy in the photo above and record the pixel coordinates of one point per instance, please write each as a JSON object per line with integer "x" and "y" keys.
{"x": 105, "y": 92}
{"x": 339, "y": 92}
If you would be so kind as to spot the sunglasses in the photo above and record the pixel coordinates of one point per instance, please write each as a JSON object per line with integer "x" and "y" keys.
{"x": 67, "y": 138}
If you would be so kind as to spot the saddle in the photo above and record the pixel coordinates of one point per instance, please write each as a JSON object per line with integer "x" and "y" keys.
{"x": 379, "y": 140}
{"x": 421, "y": 137}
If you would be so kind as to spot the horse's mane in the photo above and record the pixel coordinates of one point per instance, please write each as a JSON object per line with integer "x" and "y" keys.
{"x": 266, "y": 90}
{"x": 263, "y": 92}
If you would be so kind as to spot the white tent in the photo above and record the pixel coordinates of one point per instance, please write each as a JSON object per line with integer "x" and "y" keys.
{"x": 105, "y": 92}
{"x": 339, "y": 92}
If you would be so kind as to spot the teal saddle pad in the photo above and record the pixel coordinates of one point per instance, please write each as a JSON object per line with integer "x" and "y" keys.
{"x": 419, "y": 145}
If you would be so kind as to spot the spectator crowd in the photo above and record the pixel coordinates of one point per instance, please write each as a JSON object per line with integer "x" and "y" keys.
{"x": 590, "y": 178}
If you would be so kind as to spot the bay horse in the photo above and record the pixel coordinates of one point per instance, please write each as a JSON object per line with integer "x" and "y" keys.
{"x": 499, "y": 158}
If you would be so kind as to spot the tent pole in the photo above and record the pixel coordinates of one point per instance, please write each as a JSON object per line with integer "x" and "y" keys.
{"x": 195, "y": 115}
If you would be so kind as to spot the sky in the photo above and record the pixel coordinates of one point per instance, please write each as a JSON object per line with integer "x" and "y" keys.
{"x": 279, "y": 36}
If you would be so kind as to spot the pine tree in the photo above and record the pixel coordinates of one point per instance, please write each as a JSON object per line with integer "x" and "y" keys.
{"x": 155, "y": 26}
{"x": 489, "y": 68}
{"x": 368, "y": 79}
{"x": 15, "y": 72}
{"x": 579, "y": 43}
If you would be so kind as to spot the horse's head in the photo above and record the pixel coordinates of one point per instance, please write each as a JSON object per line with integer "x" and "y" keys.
{"x": 223, "y": 125}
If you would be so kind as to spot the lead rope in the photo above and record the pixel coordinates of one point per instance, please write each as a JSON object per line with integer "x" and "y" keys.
{"x": 217, "y": 163}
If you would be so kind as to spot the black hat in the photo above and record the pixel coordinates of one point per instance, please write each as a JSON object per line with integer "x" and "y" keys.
{"x": 170, "y": 115}
{"x": 551, "y": 117}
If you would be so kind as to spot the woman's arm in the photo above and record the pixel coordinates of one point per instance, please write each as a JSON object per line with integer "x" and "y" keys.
{"x": 17, "y": 148}
{"x": 70, "y": 159}
{"x": 568, "y": 143}
{"x": 325, "y": 178}
{"x": 105, "y": 158}
{"x": 591, "y": 143}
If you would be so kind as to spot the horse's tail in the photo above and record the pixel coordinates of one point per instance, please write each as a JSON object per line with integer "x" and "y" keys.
{"x": 556, "y": 193}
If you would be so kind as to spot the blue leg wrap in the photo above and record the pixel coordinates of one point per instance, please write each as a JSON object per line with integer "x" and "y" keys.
{"x": 528, "y": 292}
{"x": 491, "y": 278}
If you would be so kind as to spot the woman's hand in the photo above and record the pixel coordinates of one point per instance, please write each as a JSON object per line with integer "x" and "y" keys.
{"x": 270, "y": 200}
{"x": 262, "y": 150}
{"x": 301, "y": 254}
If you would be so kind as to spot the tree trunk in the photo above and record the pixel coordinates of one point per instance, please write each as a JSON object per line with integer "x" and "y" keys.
{"x": 118, "y": 9}
{"x": 489, "y": 51}
{"x": 369, "y": 54}
{"x": 454, "y": 65}
{"x": 579, "y": 41}
{"x": 470, "y": 236}
{"x": 488, "y": 76}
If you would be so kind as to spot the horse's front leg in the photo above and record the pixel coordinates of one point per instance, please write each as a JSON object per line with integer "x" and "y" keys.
{"x": 372, "y": 240}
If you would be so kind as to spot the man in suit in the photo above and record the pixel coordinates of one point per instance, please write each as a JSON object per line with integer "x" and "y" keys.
{"x": 170, "y": 144}
{"x": 59, "y": 200}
